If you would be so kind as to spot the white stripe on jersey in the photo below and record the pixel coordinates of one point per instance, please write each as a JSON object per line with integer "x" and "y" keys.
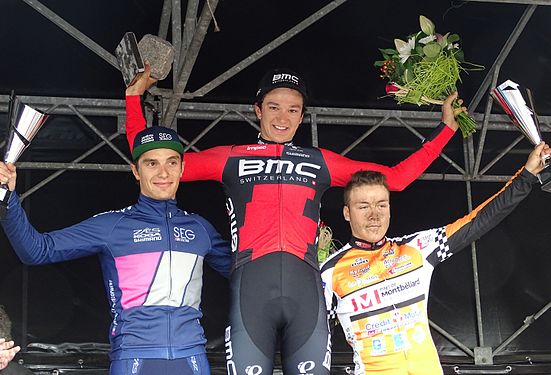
{"x": 178, "y": 281}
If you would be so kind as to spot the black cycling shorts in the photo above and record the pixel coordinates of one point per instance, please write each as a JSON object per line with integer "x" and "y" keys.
{"x": 277, "y": 303}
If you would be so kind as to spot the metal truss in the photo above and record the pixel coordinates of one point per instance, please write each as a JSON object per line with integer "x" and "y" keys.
{"x": 188, "y": 38}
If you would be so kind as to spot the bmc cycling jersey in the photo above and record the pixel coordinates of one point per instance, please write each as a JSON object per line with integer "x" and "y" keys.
{"x": 151, "y": 255}
{"x": 379, "y": 291}
{"x": 274, "y": 190}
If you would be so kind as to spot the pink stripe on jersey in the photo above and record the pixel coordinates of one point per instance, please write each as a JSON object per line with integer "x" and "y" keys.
{"x": 136, "y": 272}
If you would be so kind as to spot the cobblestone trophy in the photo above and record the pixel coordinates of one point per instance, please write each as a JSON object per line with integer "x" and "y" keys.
{"x": 525, "y": 119}
{"x": 23, "y": 122}
{"x": 132, "y": 56}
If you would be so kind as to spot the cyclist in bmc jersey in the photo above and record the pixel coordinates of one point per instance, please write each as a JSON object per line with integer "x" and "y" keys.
{"x": 151, "y": 255}
{"x": 378, "y": 286}
{"x": 273, "y": 190}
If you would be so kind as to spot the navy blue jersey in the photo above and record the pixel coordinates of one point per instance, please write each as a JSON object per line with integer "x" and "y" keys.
{"x": 152, "y": 256}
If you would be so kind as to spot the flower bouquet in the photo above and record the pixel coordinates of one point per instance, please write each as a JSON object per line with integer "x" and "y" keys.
{"x": 425, "y": 70}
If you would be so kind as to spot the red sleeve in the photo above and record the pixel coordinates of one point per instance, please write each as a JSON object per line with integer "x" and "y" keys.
{"x": 206, "y": 165}
{"x": 203, "y": 165}
{"x": 399, "y": 176}
{"x": 135, "y": 122}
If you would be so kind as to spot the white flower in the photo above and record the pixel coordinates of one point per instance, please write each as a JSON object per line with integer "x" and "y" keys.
{"x": 404, "y": 49}
{"x": 453, "y": 46}
{"x": 427, "y": 39}
{"x": 426, "y": 25}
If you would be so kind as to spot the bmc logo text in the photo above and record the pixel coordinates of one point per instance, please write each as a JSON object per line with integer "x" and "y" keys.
{"x": 251, "y": 167}
{"x": 233, "y": 224}
{"x": 230, "y": 364}
{"x": 285, "y": 77}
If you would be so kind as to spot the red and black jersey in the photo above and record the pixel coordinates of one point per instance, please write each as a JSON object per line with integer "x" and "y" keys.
{"x": 274, "y": 190}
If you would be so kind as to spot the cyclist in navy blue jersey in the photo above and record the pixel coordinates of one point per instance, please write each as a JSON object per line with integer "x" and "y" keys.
{"x": 152, "y": 256}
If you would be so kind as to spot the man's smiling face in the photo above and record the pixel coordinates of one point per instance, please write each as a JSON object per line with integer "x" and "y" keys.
{"x": 280, "y": 114}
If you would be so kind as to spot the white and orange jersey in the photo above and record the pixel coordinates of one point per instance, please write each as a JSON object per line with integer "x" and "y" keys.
{"x": 379, "y": 291}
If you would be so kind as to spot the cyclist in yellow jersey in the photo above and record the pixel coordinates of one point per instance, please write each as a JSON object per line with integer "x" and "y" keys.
{"x": 378, "y": 286}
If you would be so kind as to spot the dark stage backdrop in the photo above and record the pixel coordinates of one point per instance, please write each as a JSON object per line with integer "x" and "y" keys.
{"x": 67, "y": 302}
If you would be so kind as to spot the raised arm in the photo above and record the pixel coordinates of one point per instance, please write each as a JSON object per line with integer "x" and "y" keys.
{"x": 206, "y": 165}
{"x": 33, "y": 247}
{"x": 134, "y": 116}
{"x": 492, "y": 211}
{"x": 405, "y": 172}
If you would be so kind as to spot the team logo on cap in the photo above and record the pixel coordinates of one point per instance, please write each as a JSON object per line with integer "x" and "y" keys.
{"x": 284, "y": 77}
{"x": 147, "y": 138}
{"x": 165, "y": 137}
{"x": 151, "y": 138}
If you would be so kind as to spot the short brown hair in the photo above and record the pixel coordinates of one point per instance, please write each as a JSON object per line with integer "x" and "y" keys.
{"x": 361, "y": 178}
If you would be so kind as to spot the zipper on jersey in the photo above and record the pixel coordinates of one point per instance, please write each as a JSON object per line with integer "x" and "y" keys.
{"x": 170, "y": 351}
{"x": 168, "y": 216}
{"x": 281, "y": 235}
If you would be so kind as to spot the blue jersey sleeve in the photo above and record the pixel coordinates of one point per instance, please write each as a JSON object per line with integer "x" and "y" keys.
{"x": 33, "y": 247}
{"x": 219, "y": 254}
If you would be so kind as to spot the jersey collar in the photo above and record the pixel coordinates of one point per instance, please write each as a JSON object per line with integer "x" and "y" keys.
{"x": 262, "y": 141}
{"x": 358, "y": 243}
{"x": 155, "y": 206}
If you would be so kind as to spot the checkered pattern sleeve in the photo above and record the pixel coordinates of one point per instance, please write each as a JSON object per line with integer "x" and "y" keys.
{"x": 332, "y": 312}
{"x": 487, "y": 215}
{"x": 441, "y": 248}
{"x": 330, "y": 296}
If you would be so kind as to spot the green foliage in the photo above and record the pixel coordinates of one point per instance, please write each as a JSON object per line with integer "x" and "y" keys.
{"x": 432, "y": 51}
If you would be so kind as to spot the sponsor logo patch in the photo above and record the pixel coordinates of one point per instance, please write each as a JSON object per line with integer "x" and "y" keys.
{"x": 256, "y": 148}
{"x": 147, "y": 234}
{"x": 363, "y": 281}
{"x": 359, "y": 261}
{"x": 390, "y": 262}
{"x": 378, "y": 346}
{"x": 401, "y": 268}
{"x": 400, "y": 341}
{"x": 183, "y": 234}
{"x": 284, "y": 77}
{"x": 253, "y": 370}
{"x": 419, "y": 335}
{"x": 306, "y": 367}
{"x": 399, "y": 287}
{"x": 424, "y": 241}
{"x": 275, "y": 166}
